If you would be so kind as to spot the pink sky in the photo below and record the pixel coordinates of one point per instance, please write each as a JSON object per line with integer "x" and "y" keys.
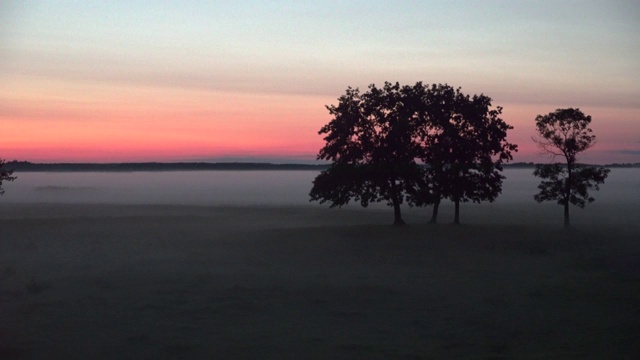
{"x": 114, "y": 81}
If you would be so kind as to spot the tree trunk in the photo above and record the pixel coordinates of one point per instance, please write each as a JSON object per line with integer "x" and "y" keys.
{"x": 397, "y": 216}
{"x": 456, "y": 219}
{"x": 567, "y": 192}
{"x": 434, "y": 214}
{"x": 396, "y": 212}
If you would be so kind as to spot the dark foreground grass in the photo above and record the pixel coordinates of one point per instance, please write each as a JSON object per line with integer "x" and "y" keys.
{"x": 167, "y": 282}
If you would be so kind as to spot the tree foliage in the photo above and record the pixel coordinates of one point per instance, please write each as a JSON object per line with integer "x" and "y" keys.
{"x": 554, "y": 183}
{"x": 414, "y": 143}
{"x": 566, "y": 133}
{"x": 370, "y": 143}
{"x": 464, "y": 146}
{"x": 5, "y": 175}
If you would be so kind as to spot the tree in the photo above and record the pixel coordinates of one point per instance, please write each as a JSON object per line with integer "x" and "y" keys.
{"x": 5, "y": 175}
{"x": 463, "y": 146}
{"x": 566, "y": 133}
{"x": 371, "y": 146}
{"x": 434, "y": 132}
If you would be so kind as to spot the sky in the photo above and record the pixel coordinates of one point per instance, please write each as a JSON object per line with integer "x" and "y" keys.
{"x": 114, "y": 81}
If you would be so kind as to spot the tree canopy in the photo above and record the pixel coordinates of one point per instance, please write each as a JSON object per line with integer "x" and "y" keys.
{"x": 464, "y": 146}
{"x": 370, "y": 143}
{"x": 565, "y": 133}
{"x": 417, "y": 143}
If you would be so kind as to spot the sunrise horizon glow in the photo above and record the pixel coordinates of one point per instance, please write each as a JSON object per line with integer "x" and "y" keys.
{"x": 212, "y": 81}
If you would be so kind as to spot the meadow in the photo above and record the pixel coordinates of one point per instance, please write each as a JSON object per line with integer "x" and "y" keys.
{"x": 147, "y": 277}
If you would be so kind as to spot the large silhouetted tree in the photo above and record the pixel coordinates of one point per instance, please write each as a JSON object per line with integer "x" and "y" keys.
{"x": 565, "y": 133}
{"x": 5, "y": 175}
{"x": 463, "y": 147}
{"x": 370, "y": 142}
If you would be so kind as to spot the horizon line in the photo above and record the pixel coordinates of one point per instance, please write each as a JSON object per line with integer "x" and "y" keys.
{"x": 239, "y": 164}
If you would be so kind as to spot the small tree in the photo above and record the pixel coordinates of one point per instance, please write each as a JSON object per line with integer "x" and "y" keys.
{"x": 5, "y": 175}
{"x": 370, "y": 144}
{"x": 565, "y": 133}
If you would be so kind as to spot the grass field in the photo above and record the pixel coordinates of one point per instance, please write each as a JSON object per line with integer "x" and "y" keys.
{"x": 154, "y": 282}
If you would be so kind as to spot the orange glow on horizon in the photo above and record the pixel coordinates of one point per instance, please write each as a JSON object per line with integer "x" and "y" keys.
{"x": 143, "y": 124}
{"x": 112, "y": 123}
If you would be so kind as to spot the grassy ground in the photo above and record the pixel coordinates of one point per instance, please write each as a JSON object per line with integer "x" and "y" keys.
{"x": 153, "y": 282}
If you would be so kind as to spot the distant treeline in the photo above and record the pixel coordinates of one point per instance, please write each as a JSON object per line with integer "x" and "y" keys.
{"x": 19, "y": 166}
{"x": 533, "y": 165}
{"x": 156, "y": 166}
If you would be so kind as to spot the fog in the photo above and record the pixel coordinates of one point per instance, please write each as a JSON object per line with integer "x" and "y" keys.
{"x": 79, "y": 279}
{"x": 241, "y": 187}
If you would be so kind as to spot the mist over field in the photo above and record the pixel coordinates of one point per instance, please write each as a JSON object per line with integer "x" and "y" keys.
{"x": 246, "y": 187}
{"x": 239, "y": 264}
{"x": 291, "y": 188}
